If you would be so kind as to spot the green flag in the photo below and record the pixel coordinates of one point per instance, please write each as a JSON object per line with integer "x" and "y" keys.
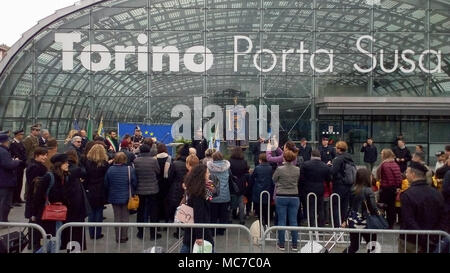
{"x": 89, "y": 129}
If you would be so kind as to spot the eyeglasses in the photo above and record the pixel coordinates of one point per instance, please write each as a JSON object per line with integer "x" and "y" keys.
{"x": 78, "y": 141}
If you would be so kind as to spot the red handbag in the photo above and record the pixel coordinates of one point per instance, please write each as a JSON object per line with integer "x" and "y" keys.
{"x": 54, "y": 212}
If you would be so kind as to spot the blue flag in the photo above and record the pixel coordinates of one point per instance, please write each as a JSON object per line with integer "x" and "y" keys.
{"x": 162, "y": 133}
{"x": 75, "y": 125}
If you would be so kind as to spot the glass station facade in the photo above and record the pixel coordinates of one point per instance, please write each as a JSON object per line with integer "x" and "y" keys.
{"x": 405, "y": 54}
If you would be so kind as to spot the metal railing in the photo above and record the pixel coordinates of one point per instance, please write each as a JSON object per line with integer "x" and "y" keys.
{"x": 388, "y": 241}
{"x": 14, "y": 237}
{"x": 235, "y": 238}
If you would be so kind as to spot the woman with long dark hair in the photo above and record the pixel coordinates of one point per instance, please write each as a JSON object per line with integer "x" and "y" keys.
{"x": 362, "y": 202}
{"x": 197, "y": 198}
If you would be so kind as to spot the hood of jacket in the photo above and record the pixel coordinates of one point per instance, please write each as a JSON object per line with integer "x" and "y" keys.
{"x": 347, "y": 157}
{"x": 218, "y": 166}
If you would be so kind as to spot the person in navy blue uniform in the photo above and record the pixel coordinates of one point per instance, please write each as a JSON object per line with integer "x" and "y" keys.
{"x": 327, "y": 153}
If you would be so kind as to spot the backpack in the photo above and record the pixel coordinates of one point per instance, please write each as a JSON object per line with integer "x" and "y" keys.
{"x": 349, "y": 173}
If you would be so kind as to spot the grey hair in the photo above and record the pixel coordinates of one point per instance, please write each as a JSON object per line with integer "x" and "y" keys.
{"x": 75, "y": 138}
{"x": 44, "y": 131}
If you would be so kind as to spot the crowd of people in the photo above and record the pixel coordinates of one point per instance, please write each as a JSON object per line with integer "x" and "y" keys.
{"x": 92, "y": 174}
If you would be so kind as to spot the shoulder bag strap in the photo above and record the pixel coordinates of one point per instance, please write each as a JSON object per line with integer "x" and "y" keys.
{"x": 52, "y": 182}
{"x": 129, "y": 180}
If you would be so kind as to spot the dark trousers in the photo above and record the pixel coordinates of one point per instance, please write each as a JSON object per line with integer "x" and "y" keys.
{"x": 301, "y": 214}
{"x": 355, "y": 240}
{"x": 387, "y": 197}
{"x": 344, "y": 192}
{"x": 220, "y": 214}
{"x": 35, "y": 237}
{"x": 96, "y": 216}
{"x": 6, "y": 197}
{"x": 313, "y": 210}
{"x": 18, "y": 190}
{"x": 148, "y": 209}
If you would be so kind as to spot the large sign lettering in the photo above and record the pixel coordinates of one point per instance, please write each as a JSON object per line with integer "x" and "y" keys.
{"x": 206, "y": 62}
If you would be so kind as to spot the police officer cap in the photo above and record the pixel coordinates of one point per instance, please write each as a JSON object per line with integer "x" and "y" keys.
{"x": 440, "y": 153}
{"x": 59, "y": 158}
{"x": 20, "y": 131}
{"x": 137, "y": 128}
{"x": 4, "y": 132}
{"x": 3, "y": 138}
{"x": 418, "y": 166}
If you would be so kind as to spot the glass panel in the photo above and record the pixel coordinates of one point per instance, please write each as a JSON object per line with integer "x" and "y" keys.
{"x": 386, "y": 131}
{"x": 440, "y": 131}
{"x": 415, "y": 131}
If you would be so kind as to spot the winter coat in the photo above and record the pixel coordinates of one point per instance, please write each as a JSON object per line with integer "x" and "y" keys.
{"x": 313, "y": 174}
{"x": 286, "y": 180}
{"x": 446, "y": 194}
{"x": 220, "y": 170}
{"x": 31, "y": 143}
{"x": 422, "y": 209}
{"x": 239, "y": 168}
{"x": 202, "y": 215}
{"x": 402, "y": 154}
{"x": 74, "y": 193}
{"x": 327, "y": 153}
{"x": 305, "y": 152}
{"x": 177, "y": 172}
{"x": 34, "y": 169}
{"x": 8, "y": 177}
{"x": 262, "y": 181}
{"x": 279, "y": 158}
{"x": 440, "y": 173}
{"x": 147, "y": 171}
{"x": 201, "y": 146}
{"x": 95, "y": 183}
{"x": 361, "y": 205}
{"x": 17, "y": 150}
{"x": 370, "y": 153}
{"x": 389, "y": 174}
{"x": 338, "y": 167}
{"x": 117, "y": 184}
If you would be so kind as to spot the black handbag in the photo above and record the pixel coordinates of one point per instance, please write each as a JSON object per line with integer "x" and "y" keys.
{"x": 14, "y": 242}
{"x": 376, "y": 221}
{"x": 233, "y": 183}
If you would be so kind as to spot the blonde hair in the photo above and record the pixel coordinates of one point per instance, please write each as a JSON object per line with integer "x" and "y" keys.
{"x": 70, "y": 136}
{"x": 97, "y": 154}
{"x": 192, "y": 161}
{"x": 342, "y": 145}
{"x": 387, "y": 154}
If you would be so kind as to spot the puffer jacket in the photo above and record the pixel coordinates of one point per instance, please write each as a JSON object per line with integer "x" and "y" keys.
{"x": 177, "y": 172}
{"x": 220, "y": 170}
{"x": 117, "y": 185}
{"x": 262, "y": 181}
{"x": 338, "y": 168}
{"x": 147, "y": 171}
{"x": 389, "y": 174}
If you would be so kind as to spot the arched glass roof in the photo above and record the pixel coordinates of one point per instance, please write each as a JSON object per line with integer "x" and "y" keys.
{"x": 34, "y": 87}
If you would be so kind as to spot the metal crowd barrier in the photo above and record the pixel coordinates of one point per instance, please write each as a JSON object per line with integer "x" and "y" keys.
{"x": 378, "y": 241}
{"x": 236, "y": 238}
{"x": 22, "y": 237}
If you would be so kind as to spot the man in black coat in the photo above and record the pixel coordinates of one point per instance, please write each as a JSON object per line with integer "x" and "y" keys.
{"x": 313, "y": 174}
{"x": 200, "y": 145}
{"x": 440, "y": 173}
{"x": 340, "y": 186}
{"x": 327, "y": 153}
{"x": 305, "y": 150}
{"x": 402, "y": 155}
{"x": 422, "y": 209}
{"x": 8, "y": 177}
{"x": 17, "y": 150}
{"x": 370, "y": 153}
